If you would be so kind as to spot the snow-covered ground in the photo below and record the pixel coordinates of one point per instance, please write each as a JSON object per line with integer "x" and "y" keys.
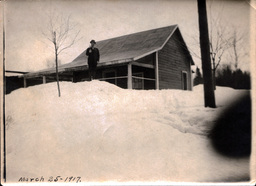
{"x": 100, "y": 132}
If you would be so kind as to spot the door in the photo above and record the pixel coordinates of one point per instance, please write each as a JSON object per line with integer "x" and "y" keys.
{"x": 184, "y": 80}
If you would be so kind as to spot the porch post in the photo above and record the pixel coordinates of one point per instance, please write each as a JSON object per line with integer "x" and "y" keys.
{"x": 72, "y": 78}
{"x": 25, "y": 82}
{"x": 190, "y": 76}
{"x": 44, "y": 79}
{"x": 156, "y": 71}
{"x": 129, "y": 80}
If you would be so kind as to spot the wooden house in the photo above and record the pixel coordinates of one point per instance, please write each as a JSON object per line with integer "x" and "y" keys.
{"x": 153, "y": 59}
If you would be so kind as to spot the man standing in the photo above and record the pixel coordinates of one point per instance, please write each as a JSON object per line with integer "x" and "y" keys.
{"x": 93, "y": 58}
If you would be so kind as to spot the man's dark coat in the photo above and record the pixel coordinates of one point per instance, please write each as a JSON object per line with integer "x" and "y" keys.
{"x": 93, "y": 57}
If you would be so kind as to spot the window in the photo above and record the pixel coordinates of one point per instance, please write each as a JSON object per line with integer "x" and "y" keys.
{"x": 110, "y": 76}
{"x": 138, "y": 83}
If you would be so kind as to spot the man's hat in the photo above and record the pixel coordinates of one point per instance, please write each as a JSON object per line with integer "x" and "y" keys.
{"x": 93, "y": 41}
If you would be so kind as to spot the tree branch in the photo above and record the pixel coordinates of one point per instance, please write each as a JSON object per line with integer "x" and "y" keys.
{"x": 72, "y": 43}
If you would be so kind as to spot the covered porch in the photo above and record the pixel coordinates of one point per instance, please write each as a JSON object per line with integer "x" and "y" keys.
{"x": 134, "y": 74}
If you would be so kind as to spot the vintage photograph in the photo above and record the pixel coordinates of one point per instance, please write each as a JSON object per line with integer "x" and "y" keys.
{"x": 117, "y": 91}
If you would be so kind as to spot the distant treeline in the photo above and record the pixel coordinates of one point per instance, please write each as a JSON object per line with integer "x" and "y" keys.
{"x": 227, "y": 77}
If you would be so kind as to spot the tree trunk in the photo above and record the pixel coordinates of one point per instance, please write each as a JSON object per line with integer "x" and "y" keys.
{"x": 214, "y": 78}
{"x": 57, "y": 73}
{"x": 235, "y": 52}
{"x": 209, "y": 97}
{"x": 213, "y": 71}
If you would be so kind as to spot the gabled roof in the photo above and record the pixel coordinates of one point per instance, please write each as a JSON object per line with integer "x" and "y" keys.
{"x": 124, "y": 48}
{"x": 128, "y": 47}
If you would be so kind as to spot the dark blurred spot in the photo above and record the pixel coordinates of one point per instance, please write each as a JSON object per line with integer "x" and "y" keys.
{"x": 231, "y": 136}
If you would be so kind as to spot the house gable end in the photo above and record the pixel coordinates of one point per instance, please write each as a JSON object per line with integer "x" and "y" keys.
{"x": 173, "y": 60}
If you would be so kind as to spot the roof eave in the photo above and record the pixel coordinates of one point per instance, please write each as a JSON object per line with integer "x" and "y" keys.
{"x": 146, "y": 54}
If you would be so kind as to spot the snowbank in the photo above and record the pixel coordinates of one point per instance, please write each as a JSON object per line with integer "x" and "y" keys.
{"x": 104, "y": 133}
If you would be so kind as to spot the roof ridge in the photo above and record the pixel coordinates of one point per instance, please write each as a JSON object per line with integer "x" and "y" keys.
{"x": 175, "y": 25}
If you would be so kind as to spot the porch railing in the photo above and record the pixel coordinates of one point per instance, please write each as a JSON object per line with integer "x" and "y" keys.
{"x": 124, "y": 77}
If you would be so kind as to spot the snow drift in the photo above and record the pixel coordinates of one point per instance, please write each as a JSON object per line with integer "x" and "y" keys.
{"x": 101, "y": 132}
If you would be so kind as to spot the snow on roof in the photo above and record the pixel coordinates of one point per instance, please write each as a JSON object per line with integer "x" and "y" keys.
{"x": 9, "y": 73}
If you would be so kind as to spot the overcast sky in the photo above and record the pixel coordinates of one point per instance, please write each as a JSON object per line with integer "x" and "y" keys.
{"x": 28, "y": 50}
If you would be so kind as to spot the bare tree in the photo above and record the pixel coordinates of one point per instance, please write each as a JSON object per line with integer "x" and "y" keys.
{"x": 234, "y": 46}
{"x": 235, "y": 43}
{"x": 220, "y": 42}
{"x": 218, "y": 47}
{"x": 62, "y": 34}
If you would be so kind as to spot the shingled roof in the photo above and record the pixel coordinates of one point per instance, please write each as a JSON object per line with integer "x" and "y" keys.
{"x": 124, "y": 48}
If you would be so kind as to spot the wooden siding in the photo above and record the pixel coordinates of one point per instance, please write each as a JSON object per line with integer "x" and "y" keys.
{"x": 147, "y": 59}
{"x": 173, "y": 59}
